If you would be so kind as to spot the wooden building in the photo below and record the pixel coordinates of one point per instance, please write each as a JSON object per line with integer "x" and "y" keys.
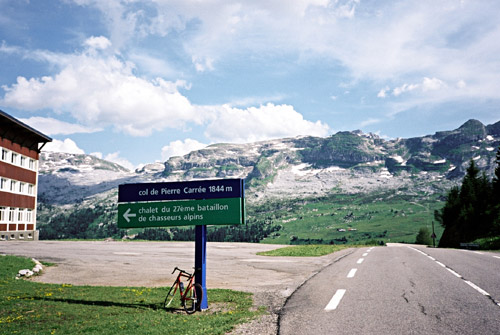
{"x": 20, "y": 147}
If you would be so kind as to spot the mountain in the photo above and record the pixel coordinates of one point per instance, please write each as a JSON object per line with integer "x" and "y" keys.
{"x": 351, "y": 162}
{"x": 348, "y": 162}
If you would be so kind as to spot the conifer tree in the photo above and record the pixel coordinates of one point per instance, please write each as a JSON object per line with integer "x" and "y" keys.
{"x": 496, "y": 178}
{"x": 496, "y": 197}
{"x": 468, "y": 212}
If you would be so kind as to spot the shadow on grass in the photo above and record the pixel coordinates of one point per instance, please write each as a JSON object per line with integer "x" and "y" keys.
{"x": 103, "y": 303}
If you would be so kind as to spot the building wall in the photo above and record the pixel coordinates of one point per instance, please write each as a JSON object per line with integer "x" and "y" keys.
{"x": 18, "y": 191}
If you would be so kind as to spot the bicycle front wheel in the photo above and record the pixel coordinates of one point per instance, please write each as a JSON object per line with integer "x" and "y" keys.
{"x": 170, "y": 296}
{"x": 193, "y": 298}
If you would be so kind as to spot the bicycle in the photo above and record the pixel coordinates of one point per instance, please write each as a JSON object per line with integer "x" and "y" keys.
{"x": 191, "y": 295}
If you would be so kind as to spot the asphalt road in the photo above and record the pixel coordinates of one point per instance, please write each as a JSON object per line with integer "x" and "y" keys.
{"x": 399, "y": 290}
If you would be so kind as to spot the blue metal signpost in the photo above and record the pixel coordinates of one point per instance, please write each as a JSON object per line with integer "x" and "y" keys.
{"x": 200, "y": 262}
{"x": 140, "y": 205}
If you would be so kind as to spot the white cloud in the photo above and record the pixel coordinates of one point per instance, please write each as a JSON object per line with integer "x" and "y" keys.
{"x": 153, "y": 65}
{"x": 115, "y": 158}
{"x": 369, "y": 122}
{"x": 383, "y": 92}
{"x": 453, "y": 40}
{"x": 180, "y": 148}
{"x": 67, "y": 146}
{"x": 98, "y": 43}
{"x": 404, "y": 88}
{"x": 427, "y": 84}
{"x": 260, "y": 123}
{"x": 461, "y": 84}
{"x": 432, "y": 84}
{"x": 50, "y": 126}
{"x": 203, "y": 63}
{"x": 100, "y": 90}
{"x": 255, "y": 100}
{"x": 96, "y": 154}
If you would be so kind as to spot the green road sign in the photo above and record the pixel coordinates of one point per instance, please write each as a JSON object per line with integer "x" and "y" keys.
{"x": 181, "y": 213}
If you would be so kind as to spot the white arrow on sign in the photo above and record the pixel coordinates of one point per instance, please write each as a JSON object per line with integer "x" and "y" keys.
{"x": 127, "y": 215}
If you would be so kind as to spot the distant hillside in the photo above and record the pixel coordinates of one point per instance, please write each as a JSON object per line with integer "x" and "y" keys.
{"x": 348, "y": 162}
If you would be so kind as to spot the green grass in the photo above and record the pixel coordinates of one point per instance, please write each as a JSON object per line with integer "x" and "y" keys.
{"x": 34, "y": 308}
{"x": 381, "y": 217}
{"x": 311, "y": 250}
{"x": 489, "y": 243}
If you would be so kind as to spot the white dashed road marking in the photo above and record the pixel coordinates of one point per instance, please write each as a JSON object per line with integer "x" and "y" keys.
{"x": 335, "y": 301}
{"x": 471, "y": 284}
{"x": 454, "y": 273}
{"x": 441, "y": 264}
{"x": 477, "y": 288}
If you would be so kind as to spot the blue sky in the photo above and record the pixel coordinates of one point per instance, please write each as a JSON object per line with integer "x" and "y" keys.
{"x": 138, "y": 81}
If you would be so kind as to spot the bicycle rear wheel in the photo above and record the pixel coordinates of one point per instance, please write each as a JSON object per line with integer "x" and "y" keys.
{"x": 193, "y": 299}
{"x": 170, "y": 296}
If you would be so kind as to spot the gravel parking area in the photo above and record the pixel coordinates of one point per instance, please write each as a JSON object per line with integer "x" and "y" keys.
{"x": 229, "y": 265}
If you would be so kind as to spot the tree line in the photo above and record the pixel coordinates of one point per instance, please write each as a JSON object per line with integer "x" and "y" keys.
{"x": 84, "y": 223}
{"x": 252, "y": 232}
{"x": 472, "y": 210}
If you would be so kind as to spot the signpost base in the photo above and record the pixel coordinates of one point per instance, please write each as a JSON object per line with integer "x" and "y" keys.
{"x": 200, "y": 260}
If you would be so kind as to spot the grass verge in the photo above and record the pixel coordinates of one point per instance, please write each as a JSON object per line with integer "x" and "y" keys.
{"x": 34, "y": 308}
{"x": 310, "y": 250}
{"x": 488, "y": 243}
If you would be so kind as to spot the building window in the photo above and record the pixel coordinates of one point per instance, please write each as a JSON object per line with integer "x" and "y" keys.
{"x": 12, "y": 212}
{"x": 29, "y": 216}
{"x": 13, "y": 185}
{"x": 3, "y": 184}
{"x": 31, "y": 189}
{"x": 3, "y": 214}
{"x": 13, "y": 158}
{"x": 5, "y": 155}
{"x": 32, "y": 164}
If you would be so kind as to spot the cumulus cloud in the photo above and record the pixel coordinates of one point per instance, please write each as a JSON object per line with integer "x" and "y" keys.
{"x": 383, "y": 92}
{"x": 427, "y": 84}
{"x": 404, "y": 88}
{"x": 97, "y": 43}
{"x": 96, "y": 154}
{"x": 100, "y": 90}
{"x": 432, "y": 84}
{"x": 180, "y": 148}
{"x": 115, "y": 158}
{"x": 260, "y": 123}
{"x": 68, "y": 146}
{"x": 371, "y": 40}
{"x": 51, "y": 126}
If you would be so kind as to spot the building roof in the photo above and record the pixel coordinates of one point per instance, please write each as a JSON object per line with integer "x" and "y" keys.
{"x": 18, "y": 132}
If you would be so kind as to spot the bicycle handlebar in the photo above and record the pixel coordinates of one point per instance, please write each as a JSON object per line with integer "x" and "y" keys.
{"x": 182, "y": 271}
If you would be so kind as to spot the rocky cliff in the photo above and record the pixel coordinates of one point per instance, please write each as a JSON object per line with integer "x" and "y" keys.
{"x": 348, "y": 162}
